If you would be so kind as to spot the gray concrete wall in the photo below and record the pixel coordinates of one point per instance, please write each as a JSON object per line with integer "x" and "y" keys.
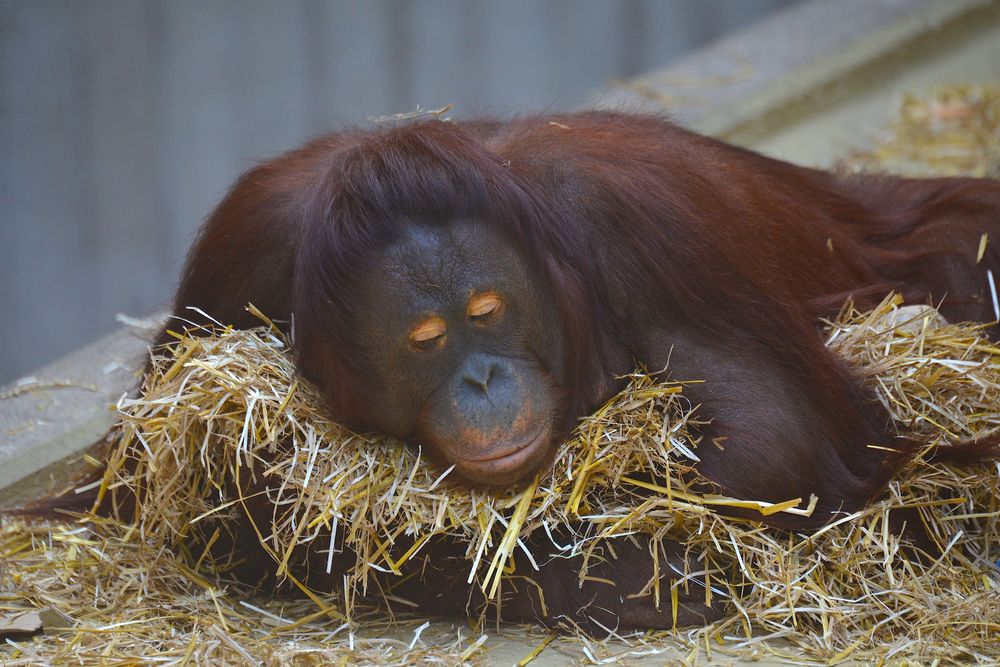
{"x": 122, "y": 122}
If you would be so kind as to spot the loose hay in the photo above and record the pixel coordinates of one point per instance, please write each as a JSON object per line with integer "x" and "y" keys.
{"x": 950, "y": 131}
{"x": 847, "y": 590}
{"x": 127, "y": 601}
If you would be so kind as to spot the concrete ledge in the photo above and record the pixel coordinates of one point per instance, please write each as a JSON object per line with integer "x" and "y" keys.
{"x": 55, "y": 413}
{"x": 755, "y": 72}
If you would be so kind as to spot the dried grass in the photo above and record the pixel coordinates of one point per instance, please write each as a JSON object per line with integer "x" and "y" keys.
{"x": 950, "y": 131}
{"x": 847, "y": 590}
{"x": 125, "y": 601}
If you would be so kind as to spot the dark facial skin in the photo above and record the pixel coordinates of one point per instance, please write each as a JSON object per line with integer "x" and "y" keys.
{"x": 455, "y": 333}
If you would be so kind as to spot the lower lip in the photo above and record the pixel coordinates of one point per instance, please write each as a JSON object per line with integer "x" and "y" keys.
{"x": 505, "y": 462}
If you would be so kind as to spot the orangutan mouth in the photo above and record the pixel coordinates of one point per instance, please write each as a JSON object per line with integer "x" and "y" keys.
{"x": 509, "y": 464}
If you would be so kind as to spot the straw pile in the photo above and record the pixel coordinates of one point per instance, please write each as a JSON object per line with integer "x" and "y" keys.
{"x": 224, "y": 418}
{"x": 110, "y": 598}
{"x": 952, "y": 131}
{"x": 849, "y": 589}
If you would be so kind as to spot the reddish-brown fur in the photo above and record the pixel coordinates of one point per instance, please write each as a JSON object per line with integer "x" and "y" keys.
{"x": 620, "y": 211}
{"x": 651, "y": 239}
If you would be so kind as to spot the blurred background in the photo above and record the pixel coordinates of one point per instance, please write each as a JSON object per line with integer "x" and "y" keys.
{"x": 123, "y": 122}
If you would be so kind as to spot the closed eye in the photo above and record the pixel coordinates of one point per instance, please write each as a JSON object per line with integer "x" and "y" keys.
{"x": 428, "y": 334}
{"x": 485, "y": 308}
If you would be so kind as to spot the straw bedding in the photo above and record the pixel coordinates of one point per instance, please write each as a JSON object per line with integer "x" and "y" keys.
{"x": 223, "y": 419}
{"x": 847, "y": 590}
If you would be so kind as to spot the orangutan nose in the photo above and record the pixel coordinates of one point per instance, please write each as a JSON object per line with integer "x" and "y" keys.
{"x": 483, "y": 374}
{"x": 486, "y": 396}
